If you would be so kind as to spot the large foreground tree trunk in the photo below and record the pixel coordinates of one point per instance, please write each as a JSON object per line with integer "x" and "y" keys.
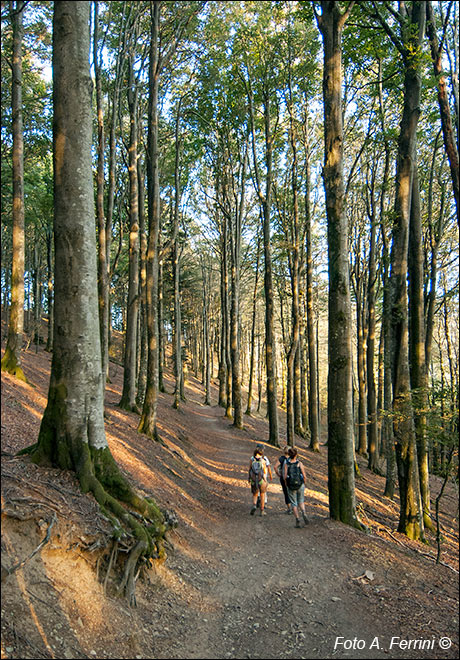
{"x": 342, "y": 503}
{"x": 72, "y": 434}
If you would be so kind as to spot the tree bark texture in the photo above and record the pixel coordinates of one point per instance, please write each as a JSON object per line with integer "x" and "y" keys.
{"x": 72, "y": 434}
{"x": 342, "y": 504}
{"x": 102, "y": 282}
{"x": 11, "y": 361}
{"x": 410, "y": 520}
{"x": 270, "y": 342}
{"x": 128, "y": 397}
{"x": 313, "y": 413}
{"x": 372, "y": 429}
{"x": 148, "y": 422}
{"x": 418, "y": 373}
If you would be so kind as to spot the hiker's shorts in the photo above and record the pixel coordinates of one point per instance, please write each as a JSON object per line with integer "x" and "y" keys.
{"x": 297, "y": 497}
{"x": 259, "y": 487}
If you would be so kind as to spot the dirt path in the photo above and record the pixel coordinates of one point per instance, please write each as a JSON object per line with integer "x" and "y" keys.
{"x": 269, "y": 590}
{"x": 234, "y": 585}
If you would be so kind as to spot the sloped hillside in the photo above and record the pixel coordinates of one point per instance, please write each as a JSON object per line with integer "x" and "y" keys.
{"x": 233, "y": 585}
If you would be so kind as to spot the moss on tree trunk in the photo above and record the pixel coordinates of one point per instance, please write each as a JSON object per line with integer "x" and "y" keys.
{"x": 12, "y": 365}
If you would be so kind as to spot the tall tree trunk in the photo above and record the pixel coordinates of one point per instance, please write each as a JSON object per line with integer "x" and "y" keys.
{"x": 235, "y": 251}
{"x": 206, "y": 342}
{"x": 387, "y": 426}
{"x": 148, "y": 422}
{"x": 72, "y": 434}
{"x": 293, "y": 393}
{"x": 36, "y": 288}
{"x": 341, "y": 464}
{"x": 418, "y": 373}
{"x": 372, "y": 428}
{"x": 313, "y": 403}
{"x": 128, "y": 397}
{"x": 226, "y": 316}
{"x": 178, "y": 373}
{"x": 270, "y": 341}
{"x": 142, "y": 336}
{"x": 161, "y": 329}
{"x": 265, "y": 204}
{"x": 410, "y": 520}
{"x": 302, "y": 361}
{"x": 443, "y": 101}
{"x": 103, "y": 287}
{"x": 11, "y": 361}
{"x": 49, "y": 288}
{"x": 435, "y": 230}
{"x": 361, "y": 359}
{"x": 253, "y": 328}
{"x": 223, "y": 368}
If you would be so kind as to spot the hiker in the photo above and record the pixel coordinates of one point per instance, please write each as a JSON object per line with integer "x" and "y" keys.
{"x": 294, "y": 475}
{"x": 259, "y": 470}
{"x": 269, "y": 471}
{"x": 279, "y": 471}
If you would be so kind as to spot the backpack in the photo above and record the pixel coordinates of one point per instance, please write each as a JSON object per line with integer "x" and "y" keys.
{"x": 258, "y": 470}
{"x": 294, "y": 476}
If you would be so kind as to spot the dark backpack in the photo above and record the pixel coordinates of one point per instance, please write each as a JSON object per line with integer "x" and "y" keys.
{"x": 294, "y": 476}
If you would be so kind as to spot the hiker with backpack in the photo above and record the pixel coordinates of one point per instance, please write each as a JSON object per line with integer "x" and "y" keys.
{"x": 259, "y": 471}
{"x": 279, "y": 471}
{"x": 294, "y": 475}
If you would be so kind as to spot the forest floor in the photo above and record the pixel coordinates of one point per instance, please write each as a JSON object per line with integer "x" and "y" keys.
{"x": 233, "y": 585}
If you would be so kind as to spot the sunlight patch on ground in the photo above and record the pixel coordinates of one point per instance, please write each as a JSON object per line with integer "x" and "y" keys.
{"x": 124, "y": 455}
{"x": 72, "y": 574}
{"x": 33, "y": 411}
{"x": 387, "y": 508}
{"x": 162, "y": 576}
{"x": 315, "y": 494}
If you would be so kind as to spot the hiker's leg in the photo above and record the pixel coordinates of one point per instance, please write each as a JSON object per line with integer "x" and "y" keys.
{"x": 255, "y": 492}
{"x": 286, "y": 496}
{"x": 301, "y": 498}
{"x": 293, "y": 500}
{"x": 263, "y": 492}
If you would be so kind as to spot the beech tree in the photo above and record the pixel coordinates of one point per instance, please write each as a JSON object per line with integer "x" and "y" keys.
{"x": 408, "y": 41}
{"x": 72, "y": 434}
{"x": 128, "y": 397}
{"x": 11, "y": 361}
{"x": 342, "y": 502}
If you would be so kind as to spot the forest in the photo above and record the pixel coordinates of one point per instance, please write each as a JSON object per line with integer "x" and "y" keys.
{"x": 261, "y": 195}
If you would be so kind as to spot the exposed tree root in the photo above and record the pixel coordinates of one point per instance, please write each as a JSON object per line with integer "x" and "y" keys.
{"x": 128, "y": 582}
{"x": 132, "y": 517}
